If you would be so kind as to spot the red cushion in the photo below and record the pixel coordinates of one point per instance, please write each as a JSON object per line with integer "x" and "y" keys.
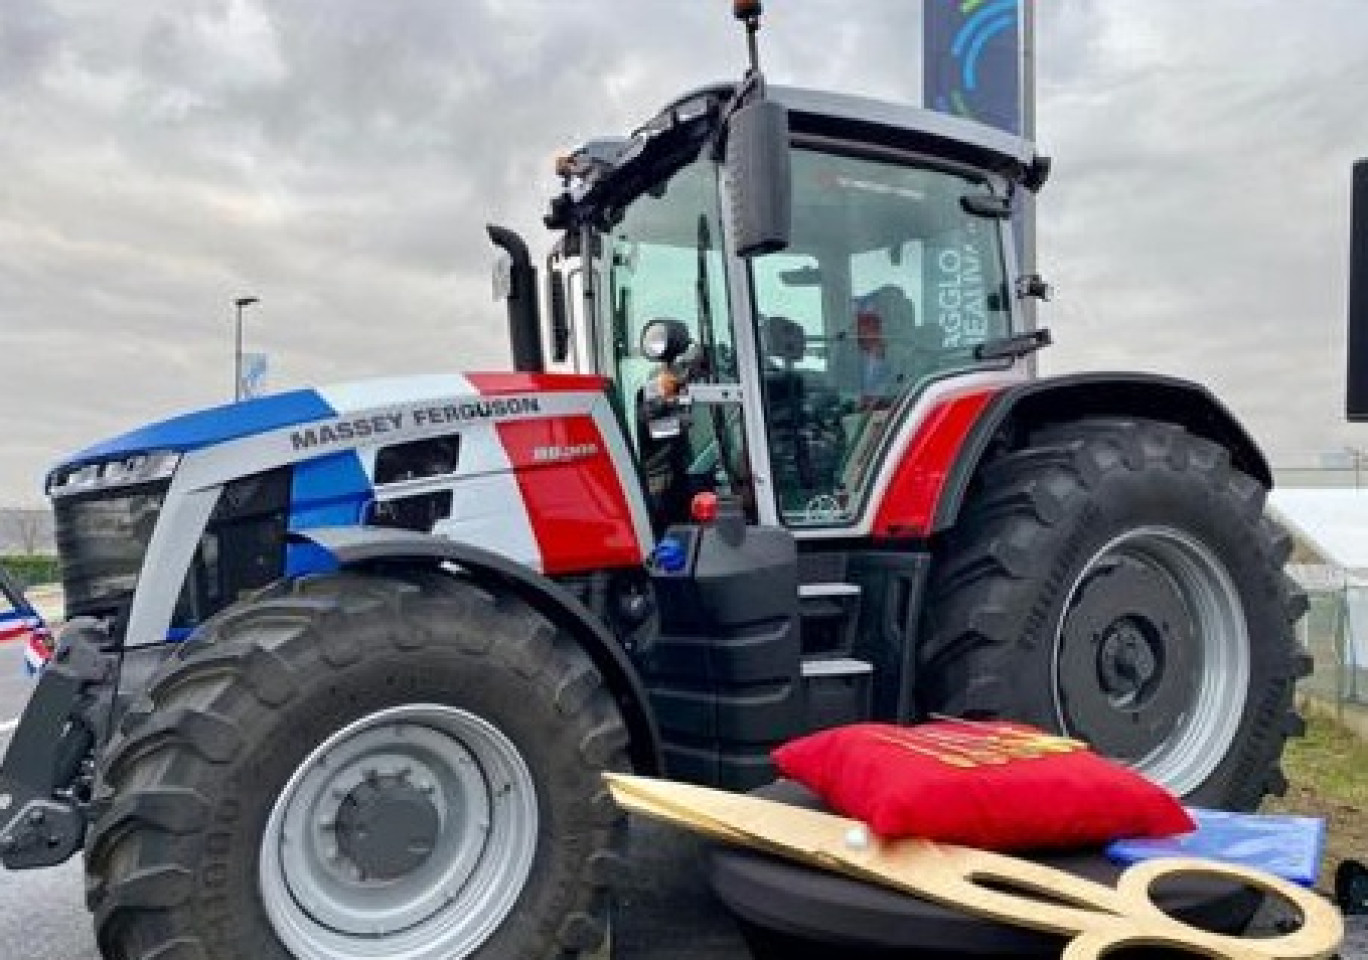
{"x": 996, "y": 786}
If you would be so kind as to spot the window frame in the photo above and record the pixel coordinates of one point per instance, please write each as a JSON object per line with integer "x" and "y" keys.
{"x": 858, "y": 517}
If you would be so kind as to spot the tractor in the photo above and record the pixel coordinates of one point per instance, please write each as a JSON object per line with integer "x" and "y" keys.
{"x": 343, "y": 667}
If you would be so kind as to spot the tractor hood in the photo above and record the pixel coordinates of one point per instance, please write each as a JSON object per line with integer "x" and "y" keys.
{"x": 235, "y": 421}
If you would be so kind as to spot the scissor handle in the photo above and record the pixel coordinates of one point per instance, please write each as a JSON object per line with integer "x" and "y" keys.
{"x": 1104, "y": 919}
{"x": 1320, "y": 933}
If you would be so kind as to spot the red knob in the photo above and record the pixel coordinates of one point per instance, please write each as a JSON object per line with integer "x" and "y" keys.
{"x": 703, "y": 507}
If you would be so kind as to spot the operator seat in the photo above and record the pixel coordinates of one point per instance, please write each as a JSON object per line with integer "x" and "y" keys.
{"x": 785, "y": 342}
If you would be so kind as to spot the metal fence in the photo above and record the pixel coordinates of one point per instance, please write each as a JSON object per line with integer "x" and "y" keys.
{"x": 1335, "y": 633}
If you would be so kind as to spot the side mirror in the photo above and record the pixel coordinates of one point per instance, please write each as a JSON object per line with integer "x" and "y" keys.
{"x": 759, "y": 178}
{"x": 1356, "y": 401}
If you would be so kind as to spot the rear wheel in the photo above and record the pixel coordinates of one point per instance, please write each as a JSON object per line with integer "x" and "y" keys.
{"x": 352, "y": 768}
{"x": 1117, "y": 581}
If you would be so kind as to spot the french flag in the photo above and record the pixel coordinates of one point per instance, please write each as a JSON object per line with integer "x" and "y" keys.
{"x": 28, "y": 627}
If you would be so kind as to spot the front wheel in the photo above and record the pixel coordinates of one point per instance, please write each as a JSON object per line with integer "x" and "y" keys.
{"x": 352, "y": 768}
{"x": 1118, "y": 581}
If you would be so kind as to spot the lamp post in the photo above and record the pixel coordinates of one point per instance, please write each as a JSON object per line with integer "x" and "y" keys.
{"x": 240, "y": 302}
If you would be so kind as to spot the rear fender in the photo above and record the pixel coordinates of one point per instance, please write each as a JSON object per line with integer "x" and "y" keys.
{"x": 353, "y": 547}
{"x": 1018, "y": 410}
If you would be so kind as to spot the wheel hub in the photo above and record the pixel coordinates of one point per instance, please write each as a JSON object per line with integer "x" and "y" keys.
{"x": 410, "y": 832}
{"x": 1152, "y": 657}
{"x": 387, "y": 828}
{"x": 1128, "y": 660}
{"x": 1128, "y": 642}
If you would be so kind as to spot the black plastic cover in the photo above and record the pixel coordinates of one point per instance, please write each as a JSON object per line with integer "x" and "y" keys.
{"x": 1356, "y": 405}
{"x": 724, "y": 673}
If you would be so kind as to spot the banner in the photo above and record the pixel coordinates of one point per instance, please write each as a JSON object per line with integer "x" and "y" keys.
{"x": 254, "y": 367}
{"x": 971, "y": 60}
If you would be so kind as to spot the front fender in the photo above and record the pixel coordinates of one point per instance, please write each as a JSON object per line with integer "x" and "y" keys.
{"x": 352, "y": 547}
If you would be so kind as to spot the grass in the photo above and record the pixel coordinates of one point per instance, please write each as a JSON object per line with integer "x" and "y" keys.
{"x": 1327, "y": 774}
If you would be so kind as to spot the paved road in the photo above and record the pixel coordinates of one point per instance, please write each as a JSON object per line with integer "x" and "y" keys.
{"x": 42, "y": 912}
{"x": 667, "y": 912}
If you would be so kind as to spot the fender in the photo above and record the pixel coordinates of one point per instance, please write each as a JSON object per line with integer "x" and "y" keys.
{"x": 352, "y": 547}
{"x": 1026, "y": 406}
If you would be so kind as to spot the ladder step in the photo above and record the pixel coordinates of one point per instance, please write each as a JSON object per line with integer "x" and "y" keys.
{"x": 822, "y": 591}
{"x": 836, "y": 667}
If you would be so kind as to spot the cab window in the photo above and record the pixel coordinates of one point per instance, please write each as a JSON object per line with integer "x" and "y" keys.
{"x": 887, "y": 285}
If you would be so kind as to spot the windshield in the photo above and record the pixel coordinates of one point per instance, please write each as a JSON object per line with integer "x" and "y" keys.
{"x": 888, "y": 284}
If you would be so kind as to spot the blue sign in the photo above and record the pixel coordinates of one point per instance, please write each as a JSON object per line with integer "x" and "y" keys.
{"x": 971, "y": 60}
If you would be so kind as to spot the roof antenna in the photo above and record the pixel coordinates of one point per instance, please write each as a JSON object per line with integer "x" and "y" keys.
{"x": 748, "y": 12}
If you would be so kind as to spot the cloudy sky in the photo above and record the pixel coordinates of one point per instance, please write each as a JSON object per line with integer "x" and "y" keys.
{"x": 339, "y": 158}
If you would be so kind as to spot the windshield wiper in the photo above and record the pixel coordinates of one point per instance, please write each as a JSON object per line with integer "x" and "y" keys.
{"x": 1017, "y": 345}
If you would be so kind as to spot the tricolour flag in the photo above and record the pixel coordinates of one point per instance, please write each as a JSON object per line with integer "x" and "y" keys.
{"x": 20, "y": 626}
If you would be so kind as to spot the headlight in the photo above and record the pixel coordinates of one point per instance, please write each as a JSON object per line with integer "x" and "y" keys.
{"x": 122, "y": 472}
{"x": 663, "y": 339}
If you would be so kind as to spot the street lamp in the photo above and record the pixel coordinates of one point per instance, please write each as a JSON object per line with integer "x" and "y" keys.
{"x": 240, "y": 302}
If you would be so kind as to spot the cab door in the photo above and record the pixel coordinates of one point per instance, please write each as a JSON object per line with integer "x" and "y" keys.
{"x": 20, "y": 623}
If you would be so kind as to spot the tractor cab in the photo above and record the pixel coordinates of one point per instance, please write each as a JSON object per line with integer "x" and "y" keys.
{"x": 775, "y": 360}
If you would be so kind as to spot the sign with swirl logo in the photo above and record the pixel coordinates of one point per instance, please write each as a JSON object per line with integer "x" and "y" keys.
{"x": 971, "y": 60}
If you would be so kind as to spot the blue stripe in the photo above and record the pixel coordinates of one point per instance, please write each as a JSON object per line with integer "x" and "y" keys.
{"x": 330, "y": 491}
{"x": 205, "y": 428}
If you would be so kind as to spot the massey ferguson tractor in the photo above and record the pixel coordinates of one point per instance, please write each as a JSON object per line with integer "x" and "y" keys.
{"x": 343, "y": 667}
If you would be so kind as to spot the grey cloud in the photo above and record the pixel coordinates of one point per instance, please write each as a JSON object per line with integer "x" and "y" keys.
{"x": 339, "y": 161}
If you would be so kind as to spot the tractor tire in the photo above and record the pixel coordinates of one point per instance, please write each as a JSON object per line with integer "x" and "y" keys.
{"x": 352, "y": 766}
{"x": 1117, "y": 581}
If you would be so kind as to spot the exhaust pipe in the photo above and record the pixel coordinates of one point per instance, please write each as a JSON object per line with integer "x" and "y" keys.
{"x": 524, "y": 318}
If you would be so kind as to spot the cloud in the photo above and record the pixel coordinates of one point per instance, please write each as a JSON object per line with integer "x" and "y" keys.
{"x": 340, "y": 160}
{"x": 1198, "y": 223}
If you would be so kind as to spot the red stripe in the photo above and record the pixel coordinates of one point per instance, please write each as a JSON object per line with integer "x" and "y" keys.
{"x": 573, "y": 494}
{"x": 9, "y": 634}
{"x": 497, "y": 383}
{"x": 909, "y": 505}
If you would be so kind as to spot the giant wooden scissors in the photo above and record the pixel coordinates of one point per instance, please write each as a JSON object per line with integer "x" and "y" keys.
{"x": 1096, "y": 919}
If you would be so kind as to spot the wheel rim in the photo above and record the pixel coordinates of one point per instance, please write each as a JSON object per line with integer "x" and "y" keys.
{"x": 407, "y": 834}
{"x": 1151, "y": 662}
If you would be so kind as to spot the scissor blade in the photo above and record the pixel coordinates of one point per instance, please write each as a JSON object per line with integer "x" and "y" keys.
{"x": 933, "y": 871}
